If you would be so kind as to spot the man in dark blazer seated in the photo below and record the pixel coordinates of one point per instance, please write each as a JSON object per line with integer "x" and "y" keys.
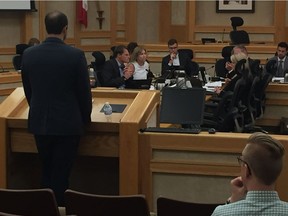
{"x": 175, "y": 60}
{"x": 114, "y": 73}
{"x": 281, "y": 58}
{"x": 56, "y": 85}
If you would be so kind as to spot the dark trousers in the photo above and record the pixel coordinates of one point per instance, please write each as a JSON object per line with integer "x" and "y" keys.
{"x": 57, "y": 154}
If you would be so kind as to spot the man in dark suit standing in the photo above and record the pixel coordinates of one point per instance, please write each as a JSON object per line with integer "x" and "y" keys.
{"x": 57, "y": 88}
{"x": 114, "y": 73}
{"x": 175, "y": 60}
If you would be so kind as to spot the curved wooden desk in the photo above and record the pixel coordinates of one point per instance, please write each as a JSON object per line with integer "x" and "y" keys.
{"x": 116, "y": 138}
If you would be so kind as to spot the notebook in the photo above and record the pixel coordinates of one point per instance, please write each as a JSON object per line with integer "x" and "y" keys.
{"x": 138, "y": 84}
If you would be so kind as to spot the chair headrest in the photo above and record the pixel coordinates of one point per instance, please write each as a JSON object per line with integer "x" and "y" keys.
{"x": 99, "y": 58}
{"x": 226, "y": 51}
{"x": 188, "y": 52}
{"x": 20, "y": 48}
{"x": 236, "y": 21}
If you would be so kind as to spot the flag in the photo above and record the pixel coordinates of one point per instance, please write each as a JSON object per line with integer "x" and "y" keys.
{"x": 82, "y": 6}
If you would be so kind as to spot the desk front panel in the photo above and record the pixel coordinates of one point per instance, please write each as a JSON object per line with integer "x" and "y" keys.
{"x": 195, "y": 168}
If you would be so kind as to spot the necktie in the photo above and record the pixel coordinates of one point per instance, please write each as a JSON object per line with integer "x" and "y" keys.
{"x": 121, "y": 67}
{"x": 280, "y": 69}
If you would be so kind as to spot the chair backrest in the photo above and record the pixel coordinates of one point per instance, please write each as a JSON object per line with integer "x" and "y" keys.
{"x": 84, "y": 204}
{"x": 220, "y": 65}
{"x": 17, "y": 60}
{"x": 188, "y": 52}
{"x": 32, "y": 202}
{"x": 239, "y": 37}
{"x": 20, "y": 48}
{"x": 172, "y": 207}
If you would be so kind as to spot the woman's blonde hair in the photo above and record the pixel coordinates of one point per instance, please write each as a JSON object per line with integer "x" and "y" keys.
{"x": 239, "y": 56}
{"x": 136, "y": 52}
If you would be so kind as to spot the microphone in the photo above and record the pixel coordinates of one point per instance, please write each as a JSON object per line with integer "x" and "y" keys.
{"x": 210, "y": 67}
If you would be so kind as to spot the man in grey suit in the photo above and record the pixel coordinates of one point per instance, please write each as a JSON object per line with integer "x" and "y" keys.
{"x": 281, "y": 58}
{"x": 57, "y": 89}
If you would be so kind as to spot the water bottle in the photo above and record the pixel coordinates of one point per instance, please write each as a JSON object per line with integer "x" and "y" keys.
{"x": 92, "y": 77}
{"x": 107, "y": 111}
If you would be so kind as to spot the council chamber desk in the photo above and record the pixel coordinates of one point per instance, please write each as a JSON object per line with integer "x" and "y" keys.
{"x": 116, "y": 138}
{"x": 275, "y": 106}
{"x": 195, "y": 167}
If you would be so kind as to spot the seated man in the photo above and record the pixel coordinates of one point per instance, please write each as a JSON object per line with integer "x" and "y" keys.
{"x": 175, "y": 60}
{"x": 253, "y": 192}
{"x": 281, "y": 58}
{"x": 113, "y": 73}
{"x": 239, "y": 52}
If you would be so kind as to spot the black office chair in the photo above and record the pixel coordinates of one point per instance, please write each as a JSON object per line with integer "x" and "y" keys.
{"x": 238, "y": 36}
{"x": 188, "y": 52}
{"x": 225, "y": 113}
{"x": 220, "y": 69}
{"x": 17, "y": 59}
{"x": 265, "y": 79}
{"x": 172, "y": 207}
{"x": 194, "y": 66}
{"x": 98, "y": 66}
{"x": 29, "y": 202}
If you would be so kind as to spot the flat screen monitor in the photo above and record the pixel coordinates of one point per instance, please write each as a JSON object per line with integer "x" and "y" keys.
{"x": 182, "y": 106}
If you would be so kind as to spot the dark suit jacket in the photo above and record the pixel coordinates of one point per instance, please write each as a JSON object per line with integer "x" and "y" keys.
{"x": 184, "y": 60}
{"x": 111, "y": 74}
{"x": 57, "y": 88}
{"x": 285, "y": 65}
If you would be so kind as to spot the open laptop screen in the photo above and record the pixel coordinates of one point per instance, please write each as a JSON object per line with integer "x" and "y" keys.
{"x": 182, "y": 106}
{"x": 138, "y": 84}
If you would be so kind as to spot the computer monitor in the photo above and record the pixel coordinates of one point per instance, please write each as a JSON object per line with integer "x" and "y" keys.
{"x": 182, "y": 106}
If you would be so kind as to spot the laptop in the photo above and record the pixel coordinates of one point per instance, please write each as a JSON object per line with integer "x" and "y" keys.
{"x": 182, "y": 107}
{"x": 138, "y": 84}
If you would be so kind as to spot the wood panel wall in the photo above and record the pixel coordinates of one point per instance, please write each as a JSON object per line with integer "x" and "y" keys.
{"x": 114, "y": 31}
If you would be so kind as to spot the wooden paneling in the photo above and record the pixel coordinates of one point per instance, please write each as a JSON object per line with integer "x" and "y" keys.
{"x": 115, "y": 138}
{"x": 198, "y": 156}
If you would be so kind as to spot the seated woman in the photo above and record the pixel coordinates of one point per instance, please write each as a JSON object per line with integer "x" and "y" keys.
{"x": 139, "y": 60}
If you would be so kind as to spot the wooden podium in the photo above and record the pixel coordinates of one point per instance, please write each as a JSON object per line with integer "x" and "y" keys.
{"x": 117, "y": 137}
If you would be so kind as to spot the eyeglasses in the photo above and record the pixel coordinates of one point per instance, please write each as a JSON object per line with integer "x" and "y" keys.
{"x": 171, "y": 48}
{"x": 242, "y": 162}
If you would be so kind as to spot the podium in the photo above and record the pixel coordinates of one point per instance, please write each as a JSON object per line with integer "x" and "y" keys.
{"x": 117, "y": 137}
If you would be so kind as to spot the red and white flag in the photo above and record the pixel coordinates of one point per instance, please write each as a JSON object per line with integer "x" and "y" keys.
{"x": 82, "y": 6}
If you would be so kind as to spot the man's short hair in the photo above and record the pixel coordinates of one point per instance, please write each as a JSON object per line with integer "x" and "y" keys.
{"x": 55, "y": 22}
{"x": 283, "y": 45}
{"x": 264, "y": 156}
{"x": 119, "y": 50}
{"x": 172, "y": 41}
